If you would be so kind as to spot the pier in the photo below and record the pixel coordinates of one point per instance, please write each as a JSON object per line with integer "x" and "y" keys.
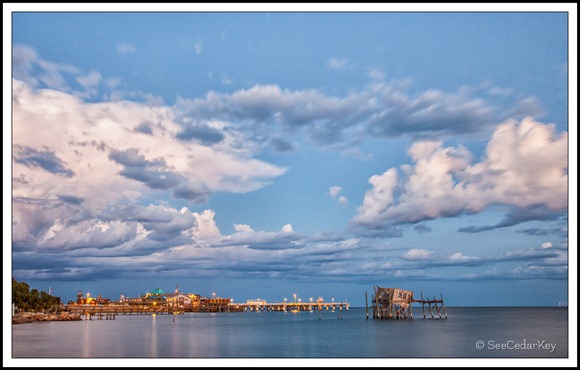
{"x": 290, "y": 306}
{"x": 109, "y": 312}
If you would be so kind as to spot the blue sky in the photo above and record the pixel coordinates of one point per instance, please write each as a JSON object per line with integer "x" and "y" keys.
{"x": 265, "y": 154}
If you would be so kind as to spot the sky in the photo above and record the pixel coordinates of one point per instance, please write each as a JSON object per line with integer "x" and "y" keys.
{"x": 262, "y": 154}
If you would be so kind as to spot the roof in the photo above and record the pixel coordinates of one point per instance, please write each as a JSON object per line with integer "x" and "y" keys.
{"x": 157, "y": 291}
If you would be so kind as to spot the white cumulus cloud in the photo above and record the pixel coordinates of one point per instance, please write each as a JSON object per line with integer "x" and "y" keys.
{"x": 525, "y": 165}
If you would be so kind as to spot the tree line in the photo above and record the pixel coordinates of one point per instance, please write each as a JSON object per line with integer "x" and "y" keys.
{"x": 32, "y": 300}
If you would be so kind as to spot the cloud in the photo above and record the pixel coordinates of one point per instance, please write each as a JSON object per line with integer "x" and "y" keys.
{"x": 338, "y": 64}
{"x": 102, "y": 145}
{"x": 78, "y": 180}
{"x": 84, "y": 160}
{"x": 376, "y": 74}
{"x": 198, "y": 46}
{"x": 547, "y": 245}
{"x": 162, "y": 223}
{"x": 226, "y": 81}
{"x": 88, "y": 234}
{"x": 545, "y": 232}
{"x": 525, "y": 167}
{"x": 286, "y": 238}
{"x": 522, "y": 273}
{"x": 126, "y": 48}
{"x": 207, "y": 231}
{"x": 459, "y": 257}
{"x": 379, "y": 110}
{"x": 424, "y": 264}
{"x": 378, "y": 199}
{"x": 205, "y": 134}
{"x": 422, "y": 228}
{"x": 334, "y": 192}
{"x": 433, "y": 112}
{"x": 71, "y": 199}
{"x": 144, "y": 128}
{"x": 89, "y": 80}
{"x": 136, "y": 241}
{"x": 516, "y": 216}
{"x": 282, "y": 145}
{"x": 157, "y": 175}
{"x": 24, "y": 59}
{"x": 417, "y": 254}
{"x": 257, "y": 117}
{"x": 128, "y": 230}
{"x": 45, "y": 160}
{"x": 90, "y": 83}
{"x": 30, "y": 68}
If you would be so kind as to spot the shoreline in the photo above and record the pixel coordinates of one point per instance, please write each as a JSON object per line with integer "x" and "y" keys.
{"x": 28, "y": 317}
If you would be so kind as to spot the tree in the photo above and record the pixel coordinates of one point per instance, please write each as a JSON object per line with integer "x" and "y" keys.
{"x": 20, "y": 294}
{"x": 31, "y": 300}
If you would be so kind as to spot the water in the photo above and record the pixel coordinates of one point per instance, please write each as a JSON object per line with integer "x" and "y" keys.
{"x": 523, "y": 333}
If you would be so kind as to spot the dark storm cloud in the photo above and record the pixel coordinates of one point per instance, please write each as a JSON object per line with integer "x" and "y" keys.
{"x": 37, "y": 260}
{"x": 421, "y": 228}
{"x": 517, "y": 216}
{"x": 71, "y": 199}
{"x": 47, "y": 160}
{"x": 130, "y": 158}
{"x": 196, "y": 193}
{"x": 379, "y": 110}
{"x": 281, "y": 145}
{"x": 144, "y": 128}
{"x": 378, "y": 230}
{"x": 152, "y": 178}
{"x": 433, "y": 112}
{"x": 205, "y": 134}
{"x": 157, "y": 175}
{"x": 544, "y": 232}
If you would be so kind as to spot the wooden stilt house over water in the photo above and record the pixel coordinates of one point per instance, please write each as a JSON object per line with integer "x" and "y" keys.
{"x": 395, "y": 303}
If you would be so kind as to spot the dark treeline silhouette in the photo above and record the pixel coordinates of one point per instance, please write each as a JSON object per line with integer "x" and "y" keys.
{"x": 32, "y": 300}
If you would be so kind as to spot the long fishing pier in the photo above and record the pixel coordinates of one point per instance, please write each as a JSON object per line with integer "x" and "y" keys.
{"x": 109, "y": 312}
{"x": 290, "y": 306}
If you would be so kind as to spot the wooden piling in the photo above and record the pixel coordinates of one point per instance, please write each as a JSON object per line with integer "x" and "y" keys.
{"x": 436, "y": 307}
{"x": 443, "y": 304}
{"x": 367, "y": 304}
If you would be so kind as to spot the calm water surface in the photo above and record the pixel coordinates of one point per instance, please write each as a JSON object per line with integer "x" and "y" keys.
{"x": 467, "y": 333}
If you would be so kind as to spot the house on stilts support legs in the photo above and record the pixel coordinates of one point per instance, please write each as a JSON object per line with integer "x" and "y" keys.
{"x": 395, "y": 303}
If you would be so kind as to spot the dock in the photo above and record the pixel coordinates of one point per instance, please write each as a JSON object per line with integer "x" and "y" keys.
{"x": 109, "y": 312}
{"x": 290, "y": 306}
